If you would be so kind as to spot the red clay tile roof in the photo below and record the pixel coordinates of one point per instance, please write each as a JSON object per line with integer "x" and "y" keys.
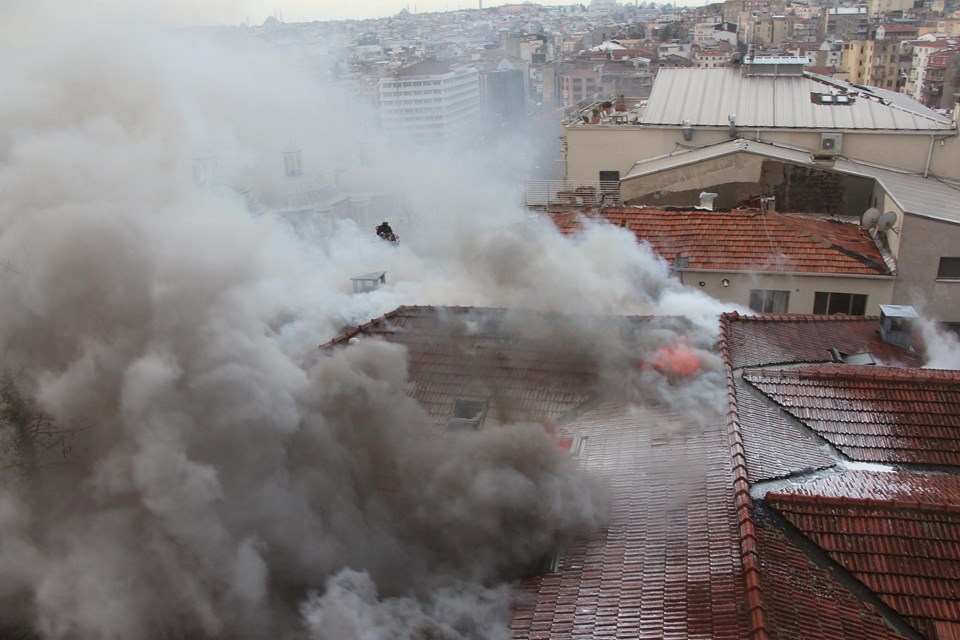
{"x": 907, "y": 487}
{"x": 869, "y": 525}
{"x": 803, "y": 600}
{"x": 747, "y": 240}
{"x": 667, "y": 566}
{"x": 873, "y": 414}
{"x": 457, "y": 352}
{"x": 909, "y": 555}
{"x": 783, "y": 339}
{"x": 781, "y": 448}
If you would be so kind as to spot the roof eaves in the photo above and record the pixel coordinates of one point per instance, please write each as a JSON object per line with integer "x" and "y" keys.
{"x": 345, "y": 337}
{"x": 741, "y": 490}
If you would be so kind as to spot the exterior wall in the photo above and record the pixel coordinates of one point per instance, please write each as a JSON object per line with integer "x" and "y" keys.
{"x": 922, "y": 243}
{"x": 881, "y": 7}
{"x": 802, "y": 288}
{"x": 432, "y": 110}
{"x": 739, "y": 177}
{"x": 595, "y": 148}
{"x": 872, "y": 62}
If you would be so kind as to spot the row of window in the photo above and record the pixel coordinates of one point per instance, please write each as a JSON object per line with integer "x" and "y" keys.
{"x": 824, "y": 302}
{"x": 829, "y": 302}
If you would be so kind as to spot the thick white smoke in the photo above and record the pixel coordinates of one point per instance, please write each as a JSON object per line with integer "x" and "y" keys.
{"x": 942, "y": 348}
{"x": 212, "y": 475}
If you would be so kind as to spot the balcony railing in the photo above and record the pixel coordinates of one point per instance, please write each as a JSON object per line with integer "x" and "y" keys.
{"x": 560, "y": 194}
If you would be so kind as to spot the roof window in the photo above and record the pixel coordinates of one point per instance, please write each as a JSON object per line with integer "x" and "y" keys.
{"x": 468, "y": 414}
{"x": 833, "y": 98}
{"x": 574, "y": 445}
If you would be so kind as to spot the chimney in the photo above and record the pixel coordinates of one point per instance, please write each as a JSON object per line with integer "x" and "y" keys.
{"x": 293, "y": 161}
{"x": 706, "y": 200}
{"x": 896, "y": 324}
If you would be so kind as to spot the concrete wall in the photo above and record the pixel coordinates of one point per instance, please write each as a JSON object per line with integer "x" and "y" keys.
{"x": 801, "y": 287}
{"x": 922, "y": 242}
{"x": 740, "y": 176}
{"x": 595, "y": 148}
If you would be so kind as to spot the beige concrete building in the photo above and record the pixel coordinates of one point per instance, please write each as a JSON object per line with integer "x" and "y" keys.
{"x": 879, "y": 8}
{"x": 779, "y": 104}
{"x": 914, "y": 220}
{"x": 760, "y": 259}
{"x": 872, "y": 62}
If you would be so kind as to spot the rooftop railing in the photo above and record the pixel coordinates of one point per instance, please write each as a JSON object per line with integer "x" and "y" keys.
{"x": 550, "y": 194}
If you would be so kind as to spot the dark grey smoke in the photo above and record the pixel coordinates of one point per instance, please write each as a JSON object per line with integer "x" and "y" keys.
{"x": 211, "y": 475}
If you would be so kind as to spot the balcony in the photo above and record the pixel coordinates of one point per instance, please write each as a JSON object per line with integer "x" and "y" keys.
{"x": 583, "y": 113}
{"x": 558, "y": 195}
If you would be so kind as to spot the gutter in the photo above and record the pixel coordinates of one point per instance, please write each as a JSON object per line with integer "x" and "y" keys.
{"x": 800, "y": 274}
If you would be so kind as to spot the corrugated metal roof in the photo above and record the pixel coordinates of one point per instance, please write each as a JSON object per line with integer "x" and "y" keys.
{"x": 931, "y": 197}
{"x": 707, "y": 97}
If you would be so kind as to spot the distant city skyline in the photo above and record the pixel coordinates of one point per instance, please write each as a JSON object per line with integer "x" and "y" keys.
{"x": 254, "y": 12}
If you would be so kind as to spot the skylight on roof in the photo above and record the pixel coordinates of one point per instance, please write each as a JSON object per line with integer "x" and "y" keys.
{"x": 467, "y": 414}
{"x": 832, "y": 98}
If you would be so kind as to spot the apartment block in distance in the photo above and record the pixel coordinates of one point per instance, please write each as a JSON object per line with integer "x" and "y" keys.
{"x": 433, "y": 103}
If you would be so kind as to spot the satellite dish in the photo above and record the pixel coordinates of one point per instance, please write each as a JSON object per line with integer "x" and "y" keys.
{"x": 886, "y": 221}
{"x": 868, "y": 219}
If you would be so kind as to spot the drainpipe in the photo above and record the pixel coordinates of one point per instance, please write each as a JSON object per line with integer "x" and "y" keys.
{"x": 926, "y": 170}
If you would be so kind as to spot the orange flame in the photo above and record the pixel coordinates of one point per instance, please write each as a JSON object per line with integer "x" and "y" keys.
{"x": 677, "y": 360}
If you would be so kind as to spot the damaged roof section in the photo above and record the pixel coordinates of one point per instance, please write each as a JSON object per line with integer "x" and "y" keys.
{"x": 776, "y": 520}
{"x": 667, "y": 563}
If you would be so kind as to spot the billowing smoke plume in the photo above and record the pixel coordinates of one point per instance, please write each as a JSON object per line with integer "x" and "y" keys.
{"x": 178, "y": 461}
{"x": 942, "y": 347}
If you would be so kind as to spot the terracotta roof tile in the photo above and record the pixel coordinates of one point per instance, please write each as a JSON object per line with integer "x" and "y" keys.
{"x": 756, "y": 341}
{"x": 909, "y": 555}
{"x": 463, "y": 352}
{"x": 804, "y": 600}
{"x": 873, "y": 414}
{"x": 898, "y": 533}
{"x": 774, "y": 446}
{"x": 746, "y": 240}
{"x": 667, "y": 566}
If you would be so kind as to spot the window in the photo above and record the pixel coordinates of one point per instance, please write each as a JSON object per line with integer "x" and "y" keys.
{"x": 949, "y": 269}
{"x": 852, "y": 304}
{"x": 769, "y": 301}
{"x": 467, "y": 414}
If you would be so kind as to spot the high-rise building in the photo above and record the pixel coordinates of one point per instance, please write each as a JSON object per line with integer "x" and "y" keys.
{"x": 433, "y": 103}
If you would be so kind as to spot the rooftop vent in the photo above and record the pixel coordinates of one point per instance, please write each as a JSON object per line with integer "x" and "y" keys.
{"x": 706, "y": 200}
{"x": 756, "y": 65}
{"x": 896, "y": 324}
{"x": 368, "y": 281}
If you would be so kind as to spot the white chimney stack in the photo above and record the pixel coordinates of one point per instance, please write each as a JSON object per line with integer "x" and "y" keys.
{"x": 706, "y": 200}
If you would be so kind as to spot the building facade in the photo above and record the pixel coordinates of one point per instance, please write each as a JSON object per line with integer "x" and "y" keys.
{"x": 431, "y": 104}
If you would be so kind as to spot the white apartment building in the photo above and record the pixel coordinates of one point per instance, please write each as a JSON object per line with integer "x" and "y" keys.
{"x": 922, "y": 50}
{"x": 432, "y": 103}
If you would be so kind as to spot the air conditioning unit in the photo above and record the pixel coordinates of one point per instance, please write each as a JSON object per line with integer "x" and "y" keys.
{"x": 830, "y": 145}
